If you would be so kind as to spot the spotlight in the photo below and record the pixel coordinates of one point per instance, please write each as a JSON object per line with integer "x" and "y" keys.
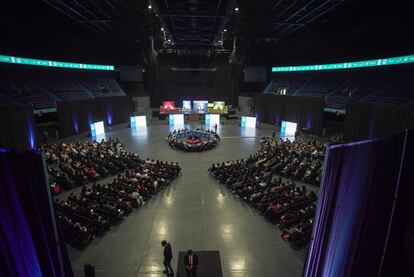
{"x": 236, "y": 9}
{"x": 225, "y": 30}
{"x": 149, "y": 6}
{"x": 169, "y": 40}
{"x": 162, "y": 29}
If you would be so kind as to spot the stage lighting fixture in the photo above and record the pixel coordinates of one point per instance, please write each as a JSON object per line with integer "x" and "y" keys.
{"x": 236, "y": 9}
{"x": 149, "y": 6}
{"x": 162, "y": 29}
{"x": 225, "y": 30}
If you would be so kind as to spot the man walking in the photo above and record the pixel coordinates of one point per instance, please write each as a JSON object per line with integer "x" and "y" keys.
{"x": 167, "y": 258}
{"x": 191, "y": 263}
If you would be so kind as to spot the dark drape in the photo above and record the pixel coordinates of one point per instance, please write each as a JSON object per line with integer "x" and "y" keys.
{"x": 355, "y": 208}
{"x": 75, "y": 116}
{"x": 306, "y": 111}
{"x": 28, "y": 234}
{"x": 369, "y": 120}
{"x": 195, "y": 77}
{"x": 17, "y": 127}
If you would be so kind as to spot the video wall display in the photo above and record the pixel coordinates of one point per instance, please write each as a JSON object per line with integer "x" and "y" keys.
{"x": 288, "y": 129}
{"x": 168, "y": 104}
{"x": 97, "y": 129}
{"x": 212, "y": 119}
{"x": 187, "y": 105}
{"x": 138, "y": 121}
{"x": 176, "y": 119}
{"x": 197, "y": 106}
{"x": 248, "y": 122}
{"x": 200, "y": 106}
{"x": 219, "y": 105}
{"x": 169, "y": 107}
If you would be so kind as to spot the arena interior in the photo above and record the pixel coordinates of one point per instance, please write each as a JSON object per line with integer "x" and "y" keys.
{"x": 210, "y": 138}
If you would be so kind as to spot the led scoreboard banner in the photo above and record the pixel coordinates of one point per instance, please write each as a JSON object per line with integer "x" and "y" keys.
{"x": 346, "y": 65}
{"x": 47, "y": 63}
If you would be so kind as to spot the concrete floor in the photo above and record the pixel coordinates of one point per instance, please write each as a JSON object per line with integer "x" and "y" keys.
{"x": 194, "y": 212}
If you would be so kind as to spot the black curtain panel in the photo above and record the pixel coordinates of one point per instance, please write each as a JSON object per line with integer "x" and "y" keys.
{"x": 357, "y": 207}
{"x": 75, "y": 116}
{"x": 370, "y": 120}
{"x": 197, "y": 77}
{"x": 17, "y": 125}
{"x": 30, "y": 242}
{"x": 306, "y": 111}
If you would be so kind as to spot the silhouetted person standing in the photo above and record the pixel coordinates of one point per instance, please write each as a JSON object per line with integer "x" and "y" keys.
{"x": 191, "y": 263}
{"x": 167, "y": 258}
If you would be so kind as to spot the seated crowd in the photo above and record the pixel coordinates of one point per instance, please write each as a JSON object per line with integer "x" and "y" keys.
{"x": 73, "y": 164}
{"x": 298, "y": 160}
{"x": 193, "y": 140}
{"x": 92, "y": 212}
{"x": 284, "y": 203}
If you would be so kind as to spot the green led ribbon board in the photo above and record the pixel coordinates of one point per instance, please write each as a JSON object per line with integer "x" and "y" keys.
{"x": 346, "y": 65}
{"x": 26, "y": 61}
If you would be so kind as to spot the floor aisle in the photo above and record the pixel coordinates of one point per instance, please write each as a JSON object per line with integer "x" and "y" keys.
{"x": 194, "y": 212}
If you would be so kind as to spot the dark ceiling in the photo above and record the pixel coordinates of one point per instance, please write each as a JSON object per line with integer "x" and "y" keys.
{"x": 267, "y": 31}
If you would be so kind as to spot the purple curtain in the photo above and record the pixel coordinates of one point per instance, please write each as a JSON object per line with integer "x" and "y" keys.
{"x": 29, "y": 241}
{"x": 355, "y": 208}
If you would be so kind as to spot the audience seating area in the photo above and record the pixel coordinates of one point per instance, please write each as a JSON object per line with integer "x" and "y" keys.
{"x": 386, "y": 85}
{"x": 44, "y": 87}
{"x": 92, "y": 212}
{"x": 256, "y": 181}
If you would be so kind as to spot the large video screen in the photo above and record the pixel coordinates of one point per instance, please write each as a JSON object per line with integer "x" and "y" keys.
{"x": 200, "y": 106}
{"x": 288, "y": 128}
{"x": 138, "y": 121}
{"x": 97, "y": 129}
{"x": 168, "y": 104}
{"x": 176, "y": 119}
{"x": 248, "y": 122}
{"x": 219, "y": 105}
{"x": 187, "y": 105}
{"x": 212, "y": 119}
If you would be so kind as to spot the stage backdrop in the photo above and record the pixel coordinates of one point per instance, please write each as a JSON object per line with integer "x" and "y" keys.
{"x": 306, "y": 111}
{"x": 369, "y": 120}
{"x": 17, "y": 127}
{"x": 363, "y": 208}
{"x": 75, "y": 116}
{"x": 30, "y": 242}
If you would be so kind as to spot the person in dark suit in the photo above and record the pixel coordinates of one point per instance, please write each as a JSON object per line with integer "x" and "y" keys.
{"x": 191, "y": 263}
{"x": 167, "y": 258}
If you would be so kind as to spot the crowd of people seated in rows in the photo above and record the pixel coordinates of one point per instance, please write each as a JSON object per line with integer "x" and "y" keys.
{"x": 282, "y": 202}
{"x": 193, "y": 141}
{"x": 92, "y": 212}
{"x": 298, "y": 160}
{"x": 73, "y": 164}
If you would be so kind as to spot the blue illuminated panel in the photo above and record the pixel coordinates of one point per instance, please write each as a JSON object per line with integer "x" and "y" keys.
{"x": 138, "y": 121}
{"x": 97, "y": 129}
{"x": 346, "y": 65}
{"x": 47, "y": 63}
{"x": 248, "y": 122}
